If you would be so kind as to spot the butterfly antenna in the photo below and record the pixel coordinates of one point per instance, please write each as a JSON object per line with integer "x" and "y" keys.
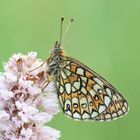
{"x": 66, "y": 29}
{"x": 61, "y": 30}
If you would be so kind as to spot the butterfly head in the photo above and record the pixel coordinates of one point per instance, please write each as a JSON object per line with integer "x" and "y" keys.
{"x": 57, "y": 52}
{"x": 57, "y": 47}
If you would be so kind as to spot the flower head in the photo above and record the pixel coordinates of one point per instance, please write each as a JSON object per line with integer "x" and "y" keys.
{"x": 24, "y": 104}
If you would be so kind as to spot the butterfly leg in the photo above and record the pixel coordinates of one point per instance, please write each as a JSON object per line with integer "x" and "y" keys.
{"x": 48, "y": 84}
{"x": 39, "y": 66}
{"x": 45, "y": 84}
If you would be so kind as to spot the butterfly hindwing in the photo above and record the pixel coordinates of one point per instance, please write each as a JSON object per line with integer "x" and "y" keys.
{"x": 83, "y": 94}
{"x": 117, "y": 108}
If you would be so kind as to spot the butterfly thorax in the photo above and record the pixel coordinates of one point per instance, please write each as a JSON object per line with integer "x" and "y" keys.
{"x": 55, "y": 60}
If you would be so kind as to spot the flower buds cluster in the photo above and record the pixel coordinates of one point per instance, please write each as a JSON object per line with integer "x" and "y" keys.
{"x": 27, "y": 101}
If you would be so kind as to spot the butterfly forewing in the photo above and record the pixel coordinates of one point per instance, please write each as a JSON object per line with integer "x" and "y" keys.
{"x": 83, "y": 94}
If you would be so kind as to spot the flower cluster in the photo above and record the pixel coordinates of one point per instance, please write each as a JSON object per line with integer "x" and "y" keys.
{"x": 27, "y": 102}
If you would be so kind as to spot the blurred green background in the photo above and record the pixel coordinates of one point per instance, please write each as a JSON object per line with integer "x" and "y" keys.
{"x": 105, "y": 36}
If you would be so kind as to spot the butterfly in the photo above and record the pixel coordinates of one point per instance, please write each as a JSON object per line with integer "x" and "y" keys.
{"x": 83, "y": 94}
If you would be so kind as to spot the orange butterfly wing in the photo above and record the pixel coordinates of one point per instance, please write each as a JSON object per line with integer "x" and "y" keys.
{"x": 83, "y": 94}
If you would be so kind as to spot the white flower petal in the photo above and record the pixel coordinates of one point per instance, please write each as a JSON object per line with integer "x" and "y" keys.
{"x": 6, "y": 95}
{"x": 4, "y": 116}
{"x": 26, "y": 133}
{"x": 31, "y": 58}
{"x": 24, "y": 83}
{"x": 48, "y": 133}
{"x": 33, "y": 90}
{"x": 10, "y": 77}
{"x": 42, "y": 117}
{"x": 50, "y": 87}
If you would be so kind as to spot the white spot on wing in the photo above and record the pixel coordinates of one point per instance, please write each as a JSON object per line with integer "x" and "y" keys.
{"x": 125, "y": 104}
{"x": 84, "y": 79}
{"x": 108, "y": 92}
{"x": 76, "y": 115}
{"x": 75, "y": 100}
{"x": 100, "y": 91}
{"x": 96, "y": 87}
{"x": 76, "y": 85}
{"x": 83, "y": 90}
{"x": 73, "y": 89}
{"x": 68, "y": 113}
{"x": 101, "y": 108}
{"x": 120, "y": 112}
{"x": 114, "y": 115}
{"x": 83, "y": 83}
{"x": 115, "y": 98}
{"x": 96, "y": 98}
{"x": 92, "y": 92}
{"x": 85, "y": 116}
{"x": 61, "y": 89}
{"x": 94, "y": 114}
{"x": 83, "y": 100}
{"x": 98, "y": 81}
{"x": 68, "y": 73}
{"x": 80, "y": 71}
{"x": 68, "y": 67}
{"x": 63, "y": 75}
{"x": 124, "y": 109}
{"x": 68, "y": 62}
{"x": 84, "y": 105}
{"x": 68, "y": 88}
{"x": 107, "y": 116}
{"x": 107, "y": 100}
